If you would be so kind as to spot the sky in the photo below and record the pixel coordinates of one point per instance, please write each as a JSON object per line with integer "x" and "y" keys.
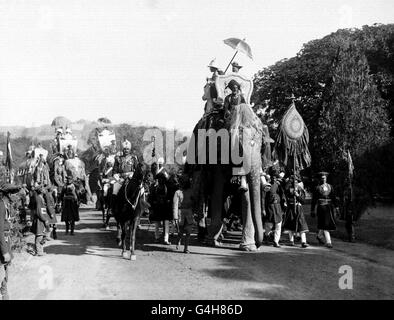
{"x": 145, "y": 61}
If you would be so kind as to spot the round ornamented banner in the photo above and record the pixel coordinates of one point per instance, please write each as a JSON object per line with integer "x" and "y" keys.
{"x": 292, "y": 124}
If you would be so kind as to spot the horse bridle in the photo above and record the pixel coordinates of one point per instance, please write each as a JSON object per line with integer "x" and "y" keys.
{"x": 133, "y": 206}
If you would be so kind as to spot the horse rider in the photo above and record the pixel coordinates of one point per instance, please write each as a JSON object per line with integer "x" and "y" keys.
{"x": 124, "y": 167}
{"x": 105, "y": 184}
{"x": 125, "y": 164}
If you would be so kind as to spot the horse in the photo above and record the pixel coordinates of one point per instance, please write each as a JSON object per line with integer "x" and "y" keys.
{"x": 129, "y": 206}
{"x": 105, "y": 163}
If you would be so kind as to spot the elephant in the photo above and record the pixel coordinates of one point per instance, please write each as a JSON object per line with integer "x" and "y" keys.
{"x": 246, "y": 133}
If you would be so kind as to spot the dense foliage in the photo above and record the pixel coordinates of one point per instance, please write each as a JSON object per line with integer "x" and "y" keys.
{"x": 345, "y": 94}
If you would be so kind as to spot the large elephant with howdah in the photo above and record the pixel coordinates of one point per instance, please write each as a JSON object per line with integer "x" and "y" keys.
{"x": 246, "y": 132}
{"x": 75, "y": 167}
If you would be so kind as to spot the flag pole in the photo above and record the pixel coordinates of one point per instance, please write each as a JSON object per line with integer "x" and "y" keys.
{"x": 294, "y": 182}
{"x": 294, "y": 169}
{"x": 9, "y": 158}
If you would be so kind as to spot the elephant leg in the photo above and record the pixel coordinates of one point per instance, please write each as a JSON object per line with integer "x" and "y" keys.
{"x": 216, "y": 203}
{"x": 248, "y": 231}
{"x": 255, "y": 201}
{"x": 202, "y": 223}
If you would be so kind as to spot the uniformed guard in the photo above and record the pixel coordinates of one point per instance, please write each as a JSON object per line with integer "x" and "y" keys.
{"x": 123, "y": 169}
{"x": 324, "y": 201}
{"x": 125, "y": 164}
{"x": 295, "y": 221}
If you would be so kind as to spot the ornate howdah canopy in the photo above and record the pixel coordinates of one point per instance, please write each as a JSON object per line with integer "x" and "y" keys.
{"x": 222, "y": 81}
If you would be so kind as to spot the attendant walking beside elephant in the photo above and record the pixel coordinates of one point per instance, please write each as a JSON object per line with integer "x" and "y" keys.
{"x": 40, "y": 219}
{"x": 51, "y": 208}
{"x": 161, "y": 202}
{"x": 295, "y": 221}
{"x": 182, "y": 213}
{"x": 275, "y": 206}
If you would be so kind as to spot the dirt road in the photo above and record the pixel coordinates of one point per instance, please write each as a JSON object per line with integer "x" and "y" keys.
{"x": 89, "y": 266}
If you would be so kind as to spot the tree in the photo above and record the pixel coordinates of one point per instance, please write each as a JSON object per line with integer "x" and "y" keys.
{"x": 341, "y": 95}
{"x": 353, "y": 116}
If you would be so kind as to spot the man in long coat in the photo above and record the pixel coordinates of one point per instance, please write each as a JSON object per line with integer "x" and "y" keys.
{"x": 325, "y": 203}
{"x": 40, "y": 219}
{"x": 161, "y": 202}
{"x": 275, "y": 204}
{"x": 295, "y": 221}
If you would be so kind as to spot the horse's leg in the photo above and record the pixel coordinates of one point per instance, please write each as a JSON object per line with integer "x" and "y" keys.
{"x": 123, "y": 238}
{"x": 133, "y": 231}
{"x": 107, "y": 209}
{"x": 119, "y": 234}
{"x": 108, "y": 216}
{"x": 102, "y": 209}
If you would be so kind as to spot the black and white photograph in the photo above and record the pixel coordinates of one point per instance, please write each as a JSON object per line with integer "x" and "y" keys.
{"x": 194, "y": 151}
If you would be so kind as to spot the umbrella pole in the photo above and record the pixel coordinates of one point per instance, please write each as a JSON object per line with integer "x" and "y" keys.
{"x": 231, "y": 60}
